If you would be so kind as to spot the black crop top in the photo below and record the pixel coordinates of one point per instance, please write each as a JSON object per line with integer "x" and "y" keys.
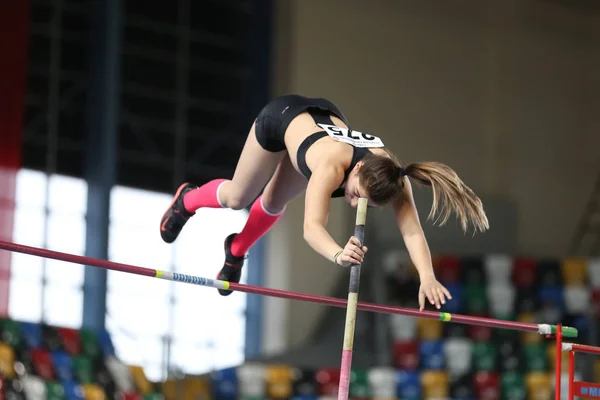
{"x": 323, "y": 117}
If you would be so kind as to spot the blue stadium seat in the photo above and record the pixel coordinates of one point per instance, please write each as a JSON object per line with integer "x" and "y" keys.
{"x": 455, "y": 305}
{"x": 224, "y": 384}
{"x": 552, "y": 295}
{"x": 73, "y": 391}
{"x": 432, "y": 354}
{"x": 63, "y": 365}
{"x": 105, "y": 343}
{"x": 32, "y": 333}
{"x": 409, "y": 385}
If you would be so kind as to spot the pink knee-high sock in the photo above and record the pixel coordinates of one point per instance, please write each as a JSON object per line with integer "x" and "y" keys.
{"x": 206, "y": 195}
{"x": 259, "y": 222}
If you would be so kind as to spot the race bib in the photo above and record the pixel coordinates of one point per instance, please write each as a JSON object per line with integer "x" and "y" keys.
{"x": 354, "y": 138}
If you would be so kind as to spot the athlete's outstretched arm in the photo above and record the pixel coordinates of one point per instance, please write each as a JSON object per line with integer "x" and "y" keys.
{"x": 418, "y": 249}
{"x": 324, "y": 180}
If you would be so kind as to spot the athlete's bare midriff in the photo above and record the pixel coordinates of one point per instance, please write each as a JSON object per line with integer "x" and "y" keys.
{"x": 303, "y": 126}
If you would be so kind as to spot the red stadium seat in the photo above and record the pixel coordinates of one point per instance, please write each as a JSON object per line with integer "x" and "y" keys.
{"x": 70, "y": 340}
{"x": 328, "y": 380}
{"x": 42, "y": 364}
{"x": 406, "y": 355}
{"x": 487, "y": 385}
{"x": 524, "y": 272}
{"x": 448, "y": 269}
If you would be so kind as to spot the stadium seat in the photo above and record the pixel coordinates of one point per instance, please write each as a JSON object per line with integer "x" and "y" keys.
{"x": 552, "y": 296}
{"x": 92, "y": 391}
{"x": 475, "y": 298}
{"x": 501, "y": 296}
{"x": 103, "y": 377}
{"x": 581, "y": 322}
{"x": 251, "y": 380}
{"x": 510, "y": 357}
{"x": 577, "y": 299}
{"x": 473, "y": 271}
{"x": 83, "y": 370}
{"x": 137, "y": 396}
{"x": 89, "y": 343}
{"x": 429, "y": 329}
{"x": 498, "y": 268}
{"x": 524, "y": 273}
{"x": 12, "y": 389}
{"x": 458, "y": 355}
{"x": 513, "y": 386}
{"x": 359, "y": 384}
{"x": 456, "y": 304}
{"x": 479, "y": 333}
{"x": 551, "y": 355}
{"x": 574, "y": 271}
{"x": 54, "y": 391}
{"x": 453, "y": 330}
{"x": 34, "y": 387}
{"x": 7, "y": 361}
{"x": 403, "y": 327}
{"x": 406, "y": 355}
{"x": 527, "y": 301}
{"x": 72, "y": 390}
{"x": 487, "y": 385}
{"x": 279, "y": 381}
{"x": 328, "y": 380}
{"x": 304, "y": 383}
{"x": 549, "y": 272}
{"x": 224, "y": 384}
{"x": 408, "y": 385}
{"x": 536, "y": 358}
{"x": 70, "y": 340}
{"x": 529, "y": 337}
{"x": 382, "y": 383}
{"x": 484, "y": 356}
{"x": 461, "y": 386}
{"x": 11, "y": 333}
{"x": 140, "y": 381}
{"x": 447, "y": 269}
{"x": 63, "y": 365}
{"x": 32, "y": 334}
{"x": 51, "y": 339}
{"x": 120, "y": 374}
{"x": 432, "y": 354}
{"x": 435, "y": 384}
{"x": 593, "y": 272}
{"x": 105, "y": 343}
{"x": 538, "y": 385}
{"x": 42, "y": 364}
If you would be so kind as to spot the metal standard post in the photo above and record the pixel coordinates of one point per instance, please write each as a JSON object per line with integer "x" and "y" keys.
{"x": 101, "y": 158}
{"x": 359, "y": 233}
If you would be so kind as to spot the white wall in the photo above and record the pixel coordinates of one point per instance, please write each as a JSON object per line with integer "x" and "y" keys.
{"x": 504, "y": 92}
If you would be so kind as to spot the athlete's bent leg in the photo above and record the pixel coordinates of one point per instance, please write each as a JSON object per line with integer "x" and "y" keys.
{"x": 285, "y": 185}
{"x": 254, "y": 169}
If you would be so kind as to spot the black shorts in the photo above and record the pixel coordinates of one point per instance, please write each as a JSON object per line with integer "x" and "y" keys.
{"x": 275, "y": 117}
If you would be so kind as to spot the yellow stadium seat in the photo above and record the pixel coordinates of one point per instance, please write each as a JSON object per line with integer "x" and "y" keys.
{"x": 539, "y": 386}
{"x": 92, "y": 391}
{"x": 186, "y": 389}
{"x": 435, "y": 384}
{"x": 429, "y": 329}
{"x": 279, "y": 381}
{"x": 574, "y": 271}
{"x": 7, "y": 361}
{"x": 140, "y": 380}
{"x": 529, "y": 337}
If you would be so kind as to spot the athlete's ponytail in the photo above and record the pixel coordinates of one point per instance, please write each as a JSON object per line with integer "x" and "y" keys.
{"x": 383, "y": 178}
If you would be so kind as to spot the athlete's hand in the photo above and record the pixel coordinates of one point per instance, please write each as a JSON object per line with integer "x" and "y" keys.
{"x": 353, "y": 253}
{"x": 434, "y": 291}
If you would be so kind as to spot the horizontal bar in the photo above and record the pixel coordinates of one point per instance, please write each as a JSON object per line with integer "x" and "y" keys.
{"x": 544, "y": 329}
{"x": 586, "y": 389}
{"x": 581, "y": 348}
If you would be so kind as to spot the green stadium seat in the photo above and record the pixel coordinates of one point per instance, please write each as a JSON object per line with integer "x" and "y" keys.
{"x": 89, "y": 343}
{"x": 359, "y": 384}
{"x": 83, "y": 368}
{"x": 11, "y": 333}
{"x": 475, "y": 298}
{"x": 484, "y": 356}
{"x": 55, "y": 391}
{"x": 513, "y": 386}
{"x": 536, "y": 358}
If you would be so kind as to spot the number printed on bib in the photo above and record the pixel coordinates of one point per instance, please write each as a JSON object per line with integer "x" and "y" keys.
{"x": 355, "y": 138}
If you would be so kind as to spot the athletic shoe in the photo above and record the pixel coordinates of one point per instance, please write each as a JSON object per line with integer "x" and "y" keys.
{"x": 232, "y": 270}
{"x": 176, "y": 216}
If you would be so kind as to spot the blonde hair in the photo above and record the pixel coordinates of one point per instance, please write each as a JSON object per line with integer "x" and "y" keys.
{"x": 383, "y": 178}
